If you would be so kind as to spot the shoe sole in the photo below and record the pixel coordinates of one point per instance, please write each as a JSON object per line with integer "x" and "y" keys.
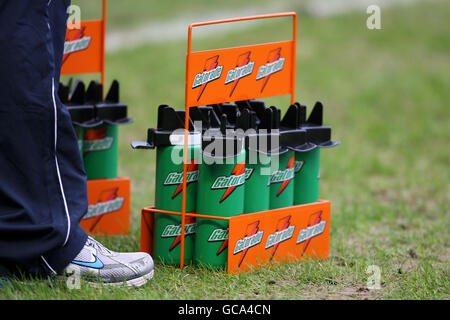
{"x": 137, "y": 282}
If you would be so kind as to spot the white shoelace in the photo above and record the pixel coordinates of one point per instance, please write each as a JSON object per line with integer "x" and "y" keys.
{"x": 91, "y": 242}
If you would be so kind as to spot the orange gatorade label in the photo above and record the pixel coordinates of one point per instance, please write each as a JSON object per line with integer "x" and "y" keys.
{"x": 240, "y": 73}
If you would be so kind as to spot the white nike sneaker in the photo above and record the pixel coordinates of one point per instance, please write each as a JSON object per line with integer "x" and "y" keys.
{"x": 97, "y": 264}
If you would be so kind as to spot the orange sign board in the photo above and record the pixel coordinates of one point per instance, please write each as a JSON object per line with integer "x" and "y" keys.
{"x": 84, "y": 48}
{"x": 239, "y": 73}
{"x": 285, "y": 234}
{"x": 109, "y": 207}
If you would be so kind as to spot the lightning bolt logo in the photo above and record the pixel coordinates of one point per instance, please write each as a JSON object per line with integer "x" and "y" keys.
{"x": 105, "y": 196}
{"x": 177, "y": 241}
{"x": 238, "y": 170}
{"x": 219, "y": 235}
{"x": 282, "y": 224}
{"x": 95, "y": 134}
{"x": 290, "y": 166}
{"x": 79, "y": 34}
{"x": 243, "y": 60}
{"x": 313, "y": 219}
{"x": 252, "y": 229}
{"x": 210, "y": 64}
{"x": 94, "y": 139}
{"x": 190, "y": 167}
{"x": 274, "y": 55}
{"x": 222, "y": 247}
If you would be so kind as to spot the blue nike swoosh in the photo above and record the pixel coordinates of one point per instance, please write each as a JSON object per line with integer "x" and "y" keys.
{"x": 97, "y": 264}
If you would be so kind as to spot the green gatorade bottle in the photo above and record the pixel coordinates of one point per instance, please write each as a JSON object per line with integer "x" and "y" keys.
{"x": 100, "y": 144}
{"x": 220, "y": 193}
{"x": 81, "y": 113}
{"x": 307, "y": 161}
{"x": 168, "y": 139}
{"x": 260, "y": 148}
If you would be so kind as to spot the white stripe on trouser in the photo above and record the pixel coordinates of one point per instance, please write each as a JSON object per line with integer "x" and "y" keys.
{"x": 48, "y": 266}
{"x": 57, "y": 166}
{"x": 59, "y": 175}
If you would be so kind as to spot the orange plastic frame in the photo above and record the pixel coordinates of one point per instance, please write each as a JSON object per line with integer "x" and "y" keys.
{"x": 287, "y": 234}
{"x": 285, "y": 79}
{"x": 86, "y": 47}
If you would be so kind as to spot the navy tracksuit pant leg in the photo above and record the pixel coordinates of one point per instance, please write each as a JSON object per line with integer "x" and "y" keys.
{"x": 43, "y": 192}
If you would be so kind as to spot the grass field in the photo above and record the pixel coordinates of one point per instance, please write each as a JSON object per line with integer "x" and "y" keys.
{"x": 386, "y": 97}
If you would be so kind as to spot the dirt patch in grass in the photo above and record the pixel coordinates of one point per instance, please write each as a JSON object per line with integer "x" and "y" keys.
{"x": 344, "y": 293}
